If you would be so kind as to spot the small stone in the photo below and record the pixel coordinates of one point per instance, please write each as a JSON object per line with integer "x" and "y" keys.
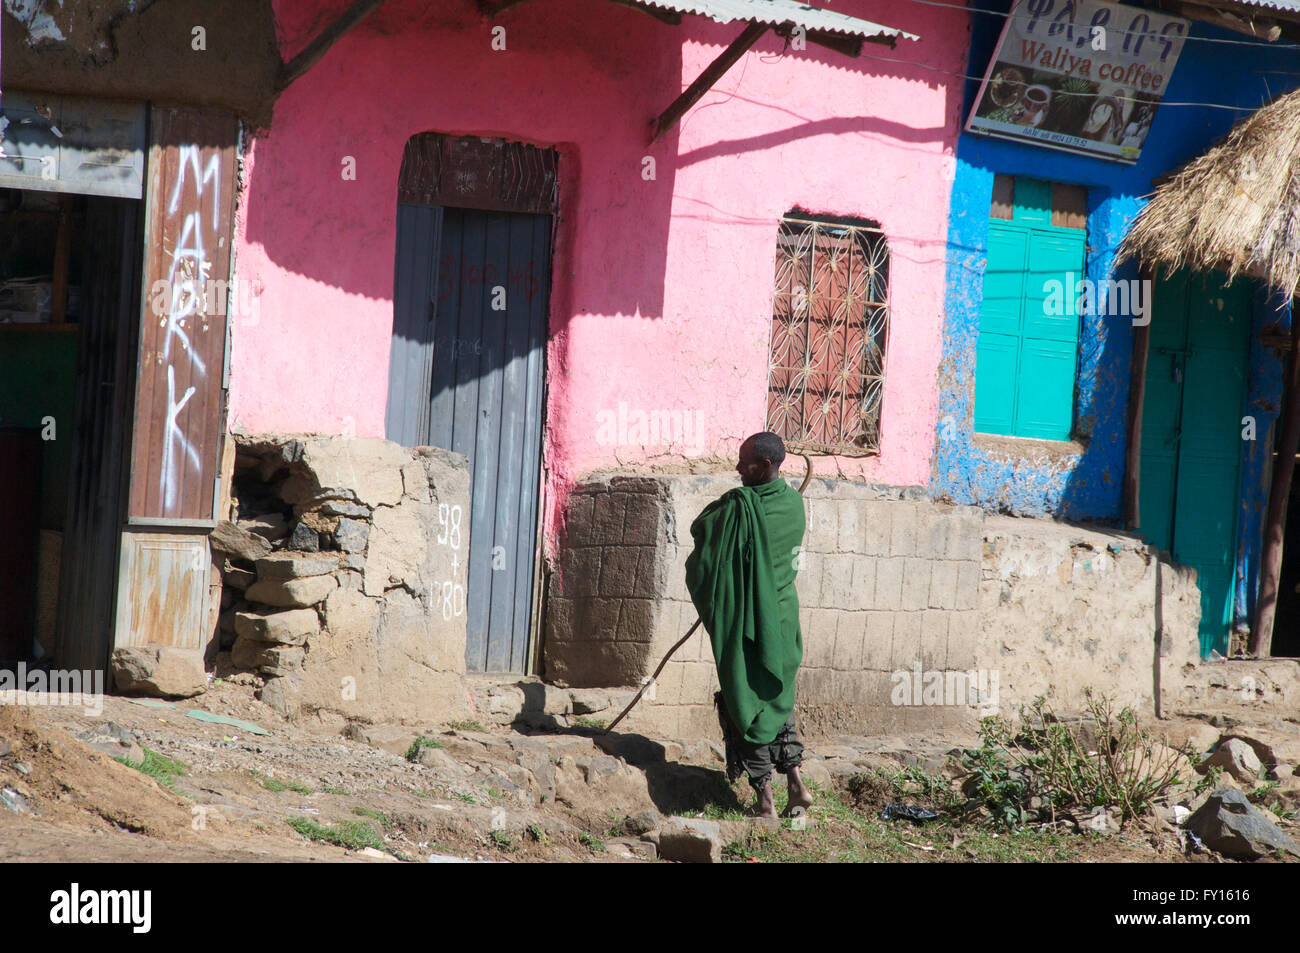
{"x": 291, "y": 627}
{"x": 270, "y": 526}
{"x": 588, "y": 701}
{"x": 343, "y": 508}
{"x": 161, "y": 671}
{"x": 351, "y": 535}
{"x": 304, "y": 539}
{"x": 290, "y": 593}
{"x": 235, "y": 541}
{"x": 690, "y": 840}
{"x": 1237, "y": 758}
{"x": 1101, "y": 820}
{"x": 1229, "y": 823}
{"x": 442, "y": 763}
{"x": 386, "y": 737}
{"x": 282, "y": 695}
{"x": 237, "y": 578}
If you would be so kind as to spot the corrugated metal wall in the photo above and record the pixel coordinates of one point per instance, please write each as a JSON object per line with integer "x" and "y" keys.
{"x": 470, "y": 306}
{"x": 106, "y": 356}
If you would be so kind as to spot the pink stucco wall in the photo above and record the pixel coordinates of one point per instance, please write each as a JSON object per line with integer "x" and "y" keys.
{"x": 662, "y": 288}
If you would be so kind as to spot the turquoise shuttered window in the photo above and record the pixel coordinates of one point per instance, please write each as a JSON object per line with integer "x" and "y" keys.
{"x": 1029, "y": 332}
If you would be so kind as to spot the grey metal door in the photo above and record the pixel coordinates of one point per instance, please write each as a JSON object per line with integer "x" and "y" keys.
{"x": 470, "y": 304}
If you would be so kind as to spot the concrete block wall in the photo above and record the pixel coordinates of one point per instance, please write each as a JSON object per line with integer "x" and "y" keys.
{"x": 889, "y": 583}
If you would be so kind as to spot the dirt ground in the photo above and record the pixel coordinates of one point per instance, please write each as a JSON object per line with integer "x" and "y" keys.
{"x": 492, "y": 793}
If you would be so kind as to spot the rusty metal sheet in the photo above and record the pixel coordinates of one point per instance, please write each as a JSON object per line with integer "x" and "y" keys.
{"x": 179, "y": 396}
{"x": 167, "y": 578}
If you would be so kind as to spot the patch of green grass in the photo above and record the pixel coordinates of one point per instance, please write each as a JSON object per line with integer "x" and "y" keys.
{"x": 465, "y": 726}
{"x": 537, "y": 834}
{"x": 413, "y": 752}
{"x": 840, "y": 833}
{"x": 379, "y": 816}
{"x": 467, "y": 798}
{"x": 353, "y": 835}
{"x": 504, "y": 842}
{"x": 586, "y": 722}
{"x": 161, "y": 768}
{"x": 273, "y": 784}
{"x": 333, "y": 790}
{"x": 591, "y": 842}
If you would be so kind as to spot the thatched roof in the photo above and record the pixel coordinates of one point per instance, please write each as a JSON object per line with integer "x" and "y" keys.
{"x": 1235, "y": 208}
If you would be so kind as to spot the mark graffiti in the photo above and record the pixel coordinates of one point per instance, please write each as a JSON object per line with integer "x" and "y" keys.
{"x": 189, "y": 270}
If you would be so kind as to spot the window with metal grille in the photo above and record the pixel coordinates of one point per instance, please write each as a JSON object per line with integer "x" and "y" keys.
{"x": 830, "y": 320}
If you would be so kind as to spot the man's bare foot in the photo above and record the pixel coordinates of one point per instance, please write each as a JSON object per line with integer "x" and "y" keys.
{"x": 800, "y": 797}
{"x": 765, "y": 806}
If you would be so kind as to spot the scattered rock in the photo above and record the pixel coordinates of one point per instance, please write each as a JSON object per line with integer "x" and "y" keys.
{"x": 235, "y": 541}
{"x": 1228, "y": 823}
{"x": 632, "y": 848}
{"x": 442, "y": 763}
{"x": 159, "y": 670}
{"x": 1237, "y": 758}
{"x": 1277, "y": 749}
{"x": 1101, "y": 820}
{"x": 588, "y": 701}
{"x": 389, "y": 738}
{"x": 690, "y": 840}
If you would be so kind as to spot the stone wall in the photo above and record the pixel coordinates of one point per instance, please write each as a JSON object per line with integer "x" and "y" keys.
{"x": 1063, "y": 607}
{"x": 336, "y": 566}
{"x": 914, "y": 614}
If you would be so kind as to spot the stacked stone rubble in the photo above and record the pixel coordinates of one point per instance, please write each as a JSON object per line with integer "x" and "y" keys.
{"x": 335, "y": 565}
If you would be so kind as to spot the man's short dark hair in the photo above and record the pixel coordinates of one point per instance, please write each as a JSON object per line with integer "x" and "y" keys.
{"x": 769, "y": 446}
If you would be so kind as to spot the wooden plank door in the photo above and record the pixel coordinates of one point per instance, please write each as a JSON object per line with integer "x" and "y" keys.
{"x": 1197, "y": 375}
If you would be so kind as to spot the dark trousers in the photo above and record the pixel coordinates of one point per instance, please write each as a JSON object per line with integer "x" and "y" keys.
{"x": 785, "y": 751}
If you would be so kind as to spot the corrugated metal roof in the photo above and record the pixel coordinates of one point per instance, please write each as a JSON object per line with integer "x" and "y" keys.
{"x": 1288, "y": 6}
{"x": 779, "y": 12}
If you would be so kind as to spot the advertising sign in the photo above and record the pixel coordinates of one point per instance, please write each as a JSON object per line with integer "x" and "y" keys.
{"x": 1084, "y": 76}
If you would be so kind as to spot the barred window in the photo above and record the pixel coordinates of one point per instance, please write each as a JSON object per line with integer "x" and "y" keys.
{"x": 830, "y": 319}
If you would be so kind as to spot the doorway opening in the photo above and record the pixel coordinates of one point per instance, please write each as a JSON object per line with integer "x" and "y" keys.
{"x": 69, "y": 300}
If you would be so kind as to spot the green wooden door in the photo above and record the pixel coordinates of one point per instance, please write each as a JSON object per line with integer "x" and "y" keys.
{"x": 1197, "y": 369}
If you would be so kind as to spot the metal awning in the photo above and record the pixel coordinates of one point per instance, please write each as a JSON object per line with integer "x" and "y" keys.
{"x": 836, "y": 31}
{"x": 795, "y": 21}
{"x": 780, "y": 13}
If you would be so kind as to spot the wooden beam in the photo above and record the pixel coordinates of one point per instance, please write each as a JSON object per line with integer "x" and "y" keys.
{"x": 494, "y": 10}
{"x": 714, "y": 72}
{"x": 1136, "y": 401}
{"x": 62, "y": 255}
{"x": 671, "y": 17}
{"x": 1261, "y": 28}
{"x": 1270, "y": 563}
{"x": 327, "y": 37}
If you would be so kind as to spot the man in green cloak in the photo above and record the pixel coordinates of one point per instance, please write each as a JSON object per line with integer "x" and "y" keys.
{"x": 741, "y": 579}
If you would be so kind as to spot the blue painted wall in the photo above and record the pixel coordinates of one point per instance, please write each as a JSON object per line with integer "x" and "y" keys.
{"x": 1083, "y": 480}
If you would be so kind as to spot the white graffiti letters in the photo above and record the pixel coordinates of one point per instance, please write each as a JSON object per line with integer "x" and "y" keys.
{"x": 188, "y": 277}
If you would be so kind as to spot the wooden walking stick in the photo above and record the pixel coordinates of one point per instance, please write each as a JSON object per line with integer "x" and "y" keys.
{"x": 689, "y": 632}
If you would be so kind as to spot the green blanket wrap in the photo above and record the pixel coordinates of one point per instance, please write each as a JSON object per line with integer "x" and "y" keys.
{"x": 741, "y": 579}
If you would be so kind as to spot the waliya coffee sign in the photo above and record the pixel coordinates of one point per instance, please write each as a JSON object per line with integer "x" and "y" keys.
{"x": 1084, "y": 76}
